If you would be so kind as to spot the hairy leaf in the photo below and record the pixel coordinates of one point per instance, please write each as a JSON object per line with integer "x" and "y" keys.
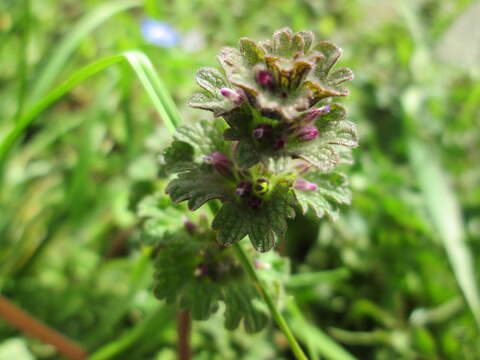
{"x": 332, "y": 190}
{"x": 198, "y": 186}
{"x": 264, "y": 225}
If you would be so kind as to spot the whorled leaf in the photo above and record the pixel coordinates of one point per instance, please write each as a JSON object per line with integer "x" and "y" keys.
{"x": 264, "y": 225}
{"x": 332, "y": 190}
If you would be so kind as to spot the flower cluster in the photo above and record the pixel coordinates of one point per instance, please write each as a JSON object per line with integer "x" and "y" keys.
{"x": 281, "y": 141}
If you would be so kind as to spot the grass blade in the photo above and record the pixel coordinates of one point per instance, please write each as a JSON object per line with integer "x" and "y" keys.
{"x": 142, "y": 67}
{"x": 83, "y": 28}
{"x": 446, "y": 216}
{"x": 318, "y": 341}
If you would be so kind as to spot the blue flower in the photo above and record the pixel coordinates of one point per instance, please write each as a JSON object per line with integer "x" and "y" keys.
{"x": 159, "y": 33}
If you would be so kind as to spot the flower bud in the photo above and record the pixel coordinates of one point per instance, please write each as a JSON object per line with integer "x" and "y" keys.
{"x": 262, "y": 130}
{"x": 264, "y": 78}
{"x": 190, "y": 226}
{"x": 233, "y": 95}
{"x": 221, "y": 163}
{"x": 304, "y": 185}
{"x": 280, "y": 143}
{"x": 312, "y": 114}
{"x": 308, "y": 132}
{"x": 254, "y": 202}
{"x": 261, "y": 186}
{"x": 244, "y": 189}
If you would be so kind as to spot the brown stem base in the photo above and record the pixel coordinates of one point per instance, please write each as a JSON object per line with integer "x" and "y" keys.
{"x": 184, "y": 329}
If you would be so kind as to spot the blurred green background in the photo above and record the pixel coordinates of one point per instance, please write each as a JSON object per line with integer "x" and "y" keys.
{"x": 401, "y": 264}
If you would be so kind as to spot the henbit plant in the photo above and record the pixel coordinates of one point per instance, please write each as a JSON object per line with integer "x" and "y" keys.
{"x": 275, "y": 153}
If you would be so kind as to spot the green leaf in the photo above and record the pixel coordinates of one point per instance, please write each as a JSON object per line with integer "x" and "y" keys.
{"x": 211, "y": 80}
{"x": 332, "y": 190}
{"x": 175, "y": 279}
{"x": 161, "y": 216}
{"x": 446, "y": 214}
{"x": 323, "y": 82}
{"x": 251, "y": 52}
{"x": 142, "y": 67}
{"x": 239, "y": 305}
{"x": 335, "y": 134}
{"x": 206, "y": 136}
{"x": 79, "y": 31}
{"x": 246, "y": 154}
{"x": 198, "y": 186}
{"x": 178, "y": 157}
{"x": 190, "y": 273}
{"x": 264, "y": 225}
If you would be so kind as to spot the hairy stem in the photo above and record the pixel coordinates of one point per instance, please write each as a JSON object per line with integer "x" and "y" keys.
{"x": 184, "y": 328}
{"x": 282, "y": 324}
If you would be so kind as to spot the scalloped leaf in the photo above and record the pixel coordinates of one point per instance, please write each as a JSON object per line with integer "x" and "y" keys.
{"x": 179, "y": 280}
{"x": 198, "y": 186}
{"x": 332, "y": 190}
{"x": 160, "y": 215}
{"x": 239, "y": 305}
{"x": 215, "y": 103}
{"x": 206, "y": 136}
{"x": 251, "y": 52}
{"x": 179, "y": 157}
{"x": 246, "y": 154}
{"x": 264, "y": 225}
{"x": 211, "y": 80}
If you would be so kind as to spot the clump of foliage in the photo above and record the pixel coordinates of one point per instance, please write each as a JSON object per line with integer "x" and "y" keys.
{"x": 279, "y": 144}
{"x": 272, "y": 149}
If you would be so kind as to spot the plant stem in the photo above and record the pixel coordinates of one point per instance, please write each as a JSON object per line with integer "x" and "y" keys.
{"x": 184, "y": 328}
{"x": 296, "y": 349}
{"x": 26, "y": 323}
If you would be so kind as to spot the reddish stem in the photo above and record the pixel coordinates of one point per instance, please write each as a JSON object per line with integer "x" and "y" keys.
{"x": 29, "y": 325}
{"x": 184, "y": 329}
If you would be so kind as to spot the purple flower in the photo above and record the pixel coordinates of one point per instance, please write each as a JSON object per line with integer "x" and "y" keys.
{"x": 264, "y": 78}
{"x": 262, "y": 130}
{"x": 244, "y": 189}
{"x": 280, "y": 143}
{"x": 304, "y": 185}
{"x": 254, "y": 202}
{"x": 308, "y": 132}
{"x": 221, "y": 163}
{"x": 233, "y": 95}
{"x": 312, "y": 114}
{"x": 159, "y": 33}
{"x": 190, "y": 226}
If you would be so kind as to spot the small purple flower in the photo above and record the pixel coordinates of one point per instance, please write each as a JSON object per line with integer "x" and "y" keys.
{"x": 312, "y": 114}
{"x": 280, "y": 143}
{"x": 308, "y": 132}
{"x": 304, "y": 185}
{"x": 159, "y": 33}
{"x": 264, "y": 78}
{"x": 233, "y": 95}
{"x": 244, "y": 189}
{"x": 190, "y": 226}
{"x": 254, "y": 202}
{"x": 221, "y": 163}
{"x": 262, "y": 130}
